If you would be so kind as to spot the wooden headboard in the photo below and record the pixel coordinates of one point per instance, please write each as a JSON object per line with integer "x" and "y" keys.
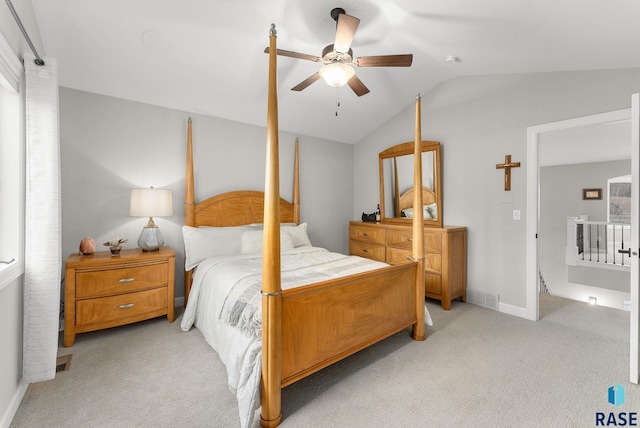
{"x": 238, "y": 207}
{"x": 406, "y": 199}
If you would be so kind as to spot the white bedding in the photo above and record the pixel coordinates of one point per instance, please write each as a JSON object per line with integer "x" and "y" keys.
{"x": 239, "y": 350}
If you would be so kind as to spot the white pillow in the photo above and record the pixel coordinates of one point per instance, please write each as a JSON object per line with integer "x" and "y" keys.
{"x": 426, "y": 213}
{"x": 433, "y": 210}
{"x": 261, "y": 225}
{"x": 299, "y": 235}
{"x": 203, "y": 242}
{"x": 251, "y": 241}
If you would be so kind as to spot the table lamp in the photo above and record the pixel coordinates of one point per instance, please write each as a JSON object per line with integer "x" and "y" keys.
{"x": 150, "y": 203}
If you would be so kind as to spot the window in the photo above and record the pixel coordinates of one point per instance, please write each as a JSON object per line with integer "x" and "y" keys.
{"x": 619, "y": 199}
{"x": 11, "y": 168}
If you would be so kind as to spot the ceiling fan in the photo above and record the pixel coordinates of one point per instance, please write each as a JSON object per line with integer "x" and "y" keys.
{"x": 338, "y": 58}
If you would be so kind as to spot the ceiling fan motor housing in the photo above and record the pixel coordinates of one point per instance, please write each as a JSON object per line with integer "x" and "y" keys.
{"x": 335, "y": 12}
{"x": 330, "y": 55}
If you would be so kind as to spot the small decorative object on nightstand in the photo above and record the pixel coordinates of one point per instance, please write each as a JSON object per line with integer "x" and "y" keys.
{"x": 102, "y": 291}
{"x": 115, "y": 245}
{"x": 87, "y": 246}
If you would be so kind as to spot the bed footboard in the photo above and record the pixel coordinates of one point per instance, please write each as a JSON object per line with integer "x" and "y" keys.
{"x": 328, "y": 321}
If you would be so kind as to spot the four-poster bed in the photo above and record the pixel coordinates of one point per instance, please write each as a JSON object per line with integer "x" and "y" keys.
{"x": 302, "y": 325}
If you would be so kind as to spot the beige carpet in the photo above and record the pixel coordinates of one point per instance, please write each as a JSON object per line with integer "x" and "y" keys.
{"x": 477, "y": 368}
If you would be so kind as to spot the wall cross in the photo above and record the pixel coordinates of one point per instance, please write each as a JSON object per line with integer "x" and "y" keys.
{"x": 507, "y": 165}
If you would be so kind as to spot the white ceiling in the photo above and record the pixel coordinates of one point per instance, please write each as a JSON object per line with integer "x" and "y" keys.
{"x": 599, "y": 142}
{"x": 206, "y": 56}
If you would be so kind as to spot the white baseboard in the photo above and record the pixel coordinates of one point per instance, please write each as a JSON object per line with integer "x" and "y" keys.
{"x": 513, "y": 310}
{"x": 11, "y": 410}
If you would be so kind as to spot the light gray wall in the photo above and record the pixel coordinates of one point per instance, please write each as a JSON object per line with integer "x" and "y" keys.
{"x": 560, "y": 197}
{"x": 11, "y": 312}
{"x": 479, "y": 120}
{"x": 110, "y": 145}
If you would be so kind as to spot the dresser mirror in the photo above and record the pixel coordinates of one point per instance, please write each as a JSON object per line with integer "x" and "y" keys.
{"x": 396, "y": 184}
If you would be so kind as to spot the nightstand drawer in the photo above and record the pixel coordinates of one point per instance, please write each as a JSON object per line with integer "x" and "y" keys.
{"x": 107, "y": 282}
{"x": 433, "y": 284}
{"x": 123, "y": 306}
{"x": 374, "y": 252}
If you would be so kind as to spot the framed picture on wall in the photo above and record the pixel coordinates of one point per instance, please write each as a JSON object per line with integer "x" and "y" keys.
{"x": 591, "y": 194}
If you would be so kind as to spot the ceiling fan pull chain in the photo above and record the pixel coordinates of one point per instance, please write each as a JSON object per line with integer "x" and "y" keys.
{"x": 337, "y": 101}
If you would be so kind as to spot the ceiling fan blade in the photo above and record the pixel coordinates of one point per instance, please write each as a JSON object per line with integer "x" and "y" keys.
{"x": 357, "y": 86}
{"x": 292, "y": 54}
{"x": 345, "y": 30}
{"x": 306, "y": 82}
{"x": 384, "y": 61}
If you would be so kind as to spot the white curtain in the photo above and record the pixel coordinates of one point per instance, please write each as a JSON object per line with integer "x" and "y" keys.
{"x": 43, "y": 258}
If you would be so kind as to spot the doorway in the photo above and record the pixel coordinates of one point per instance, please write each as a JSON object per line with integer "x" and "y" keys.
{"x": 535, "y": 135}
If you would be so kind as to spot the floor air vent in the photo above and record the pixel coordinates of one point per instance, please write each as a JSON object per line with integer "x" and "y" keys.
{"x": 483, "y": 298}
{"x": 63, "y": 363}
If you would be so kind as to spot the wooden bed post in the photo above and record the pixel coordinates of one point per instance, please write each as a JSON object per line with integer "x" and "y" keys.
{"x": 296, "y": 184}
{"x": 271, "y": 288}
{"x": 189, "y": 194}
{"x": 396, "y": 188}
{"x": 189, "y": 204}
{"x": 418, "y": 332}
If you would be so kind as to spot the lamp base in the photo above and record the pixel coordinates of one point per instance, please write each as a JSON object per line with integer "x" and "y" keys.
{"x": 150, "y": 238}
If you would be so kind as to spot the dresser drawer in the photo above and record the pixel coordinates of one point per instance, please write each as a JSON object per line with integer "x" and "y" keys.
{"x": 403, "y": 238}
{"x": 370, "y": 234}
{"x": 432, "y": 285}
{"x": 112, "y": 281}
{"x": 370, "y": 251}
{"x": 432, "y": 262}
{"x": 123, "y": 306}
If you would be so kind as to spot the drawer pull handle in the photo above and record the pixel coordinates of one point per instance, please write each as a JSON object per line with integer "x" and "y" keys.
{"x": 126, "y": 306}
{"x": 365, "y": 234}
{"x": 410, "y": 239}
{"x": 123, "y": 280}
{"x": 365, "y": 250}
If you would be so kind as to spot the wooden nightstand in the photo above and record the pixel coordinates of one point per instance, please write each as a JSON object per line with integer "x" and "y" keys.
{"x": 103, "y": 291}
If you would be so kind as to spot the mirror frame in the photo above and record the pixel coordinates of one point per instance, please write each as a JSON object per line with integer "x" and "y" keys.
{"x": 408, "y": 149}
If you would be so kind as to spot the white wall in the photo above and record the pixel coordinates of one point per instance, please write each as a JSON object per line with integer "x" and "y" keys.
{"x": 560, "y": 197}
{"x": 110, "y": 145}
{"x": 479, "y": 120}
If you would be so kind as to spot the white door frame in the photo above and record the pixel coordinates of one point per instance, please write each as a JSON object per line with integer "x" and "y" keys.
{"x": 634, "y": 329}
{"x": 533, "y": 194}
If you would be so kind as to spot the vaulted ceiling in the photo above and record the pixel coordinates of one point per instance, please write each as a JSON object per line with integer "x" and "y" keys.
{"x": 206, "y": 57}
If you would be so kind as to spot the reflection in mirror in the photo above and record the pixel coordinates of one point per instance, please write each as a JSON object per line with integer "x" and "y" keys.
{"x": 396, "y": 183}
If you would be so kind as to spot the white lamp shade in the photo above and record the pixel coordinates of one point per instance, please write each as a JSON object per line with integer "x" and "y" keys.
{"x": 337, "y": 74}
{"x": 150, "y": 203}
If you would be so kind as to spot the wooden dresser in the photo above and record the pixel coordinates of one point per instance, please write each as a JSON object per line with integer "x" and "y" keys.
{"x": 445, "y": 254}
{"x": 103, "y": 291}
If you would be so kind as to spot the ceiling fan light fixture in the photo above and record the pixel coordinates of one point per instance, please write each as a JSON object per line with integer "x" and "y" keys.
{"x": 337, "y": 74}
